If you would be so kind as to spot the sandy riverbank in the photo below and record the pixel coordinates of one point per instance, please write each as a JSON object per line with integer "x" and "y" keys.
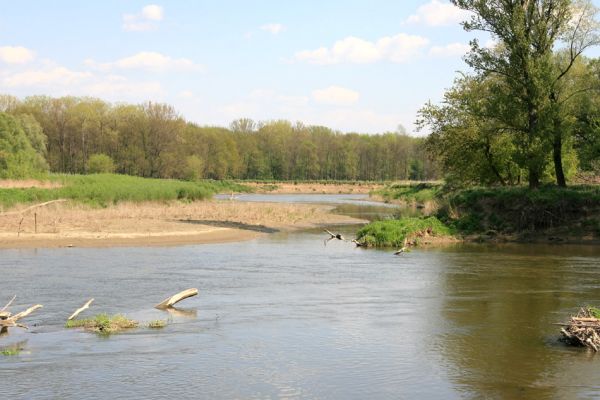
{"x": 314, "y": 188}
{"x": 156, "y": 224}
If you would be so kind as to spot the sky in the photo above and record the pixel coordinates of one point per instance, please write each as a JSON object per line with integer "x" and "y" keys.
{"x": 361, "y": 66}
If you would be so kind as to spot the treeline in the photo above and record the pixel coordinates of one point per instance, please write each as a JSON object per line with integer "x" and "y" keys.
{"x": 83, "y": 135}
{"x": 530, "y": 110}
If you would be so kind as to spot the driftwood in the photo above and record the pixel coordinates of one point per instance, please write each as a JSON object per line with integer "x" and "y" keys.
{"x": 403, "y": 249}
{"x": 332, "y": 235}
{"x": 80, "y": 309}
{"x": 582, "y": 330}
{"x": 7, "y": 320}
{"x": 169, "y": 302}
{"x": 20, "y": 212}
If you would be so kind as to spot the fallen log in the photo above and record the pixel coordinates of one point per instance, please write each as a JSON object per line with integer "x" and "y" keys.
{"x": 169, "y": 302}
{"x": 25, "y": 313}
{"x": 81, "y": 309}
{"x": 7, "y": 320}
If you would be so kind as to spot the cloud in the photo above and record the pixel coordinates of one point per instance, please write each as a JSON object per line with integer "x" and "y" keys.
{"x": 438, "y": 13}
{"x": 148, "y": 60}
{"x": 449, "y": 50}
{"x": 114, "y": 87}
{"x": 146, "y": 20}
{"x": 335, "y": 95}
{"x": 153, "y": 12}
{"x": 16, "y": 55}
{"x": 398, "y": 49}
{"x": 273, "y": 28}
{"x": 53, "y": 76}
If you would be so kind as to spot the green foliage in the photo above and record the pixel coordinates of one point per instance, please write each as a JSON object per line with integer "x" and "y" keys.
{"x": 105, "y": 189}
{"x": 417, "y": 193}
{"x": 392, "y": 233}
{"x": 18, "y": 158}
{"x": 594, "y": 312}
{"x": 103, "y": 324}
{"x": 10, "y": 351}
{"x": 153, "y": 140}
{"x": 100, "y": 164}
{"x": 157, "y": 324}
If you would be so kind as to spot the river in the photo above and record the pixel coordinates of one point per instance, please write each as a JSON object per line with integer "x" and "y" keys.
{"x": 285, "y": 316}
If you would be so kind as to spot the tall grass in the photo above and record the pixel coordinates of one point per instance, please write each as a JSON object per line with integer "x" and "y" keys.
{"x": 411, "y": 193}
{"x": 105, "y": 189}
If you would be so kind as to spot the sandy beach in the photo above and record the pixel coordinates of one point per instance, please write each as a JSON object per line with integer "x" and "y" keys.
{"x": 155, "y": 224}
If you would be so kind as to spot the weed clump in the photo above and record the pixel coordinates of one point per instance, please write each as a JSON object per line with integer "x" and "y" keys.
{"x": 103, "y": 324}
{"x": 157, "y": 324}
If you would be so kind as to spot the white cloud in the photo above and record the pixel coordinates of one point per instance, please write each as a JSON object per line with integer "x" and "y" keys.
{"x": 335, "y": 95}
{"x": 114, "y": 87}
{"x": 438, "y": 13}
{"x": 146, "y": 20}
{"x": 16, "y": 55}
{"x": 449, "y": 50}
{"x": 398, "y": 49}
{"x": 272, "y": 28}
{"x": 153, "y": 12}
{"x": 148, "y": 60}
{"x": 53, "y": 76}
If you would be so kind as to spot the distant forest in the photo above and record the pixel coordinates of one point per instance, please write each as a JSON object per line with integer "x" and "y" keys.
{"x": 83, "y": 135}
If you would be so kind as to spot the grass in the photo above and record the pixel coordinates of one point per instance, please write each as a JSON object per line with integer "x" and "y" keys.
{"x": 103, "y": 323}
{"x": 10, "y": 351}
{"x": 518, "y": 209}
{"x": 105, "y": 189}
{"x": 594, "y": 312}
{"x": 419, "y": 193}
{"x": 392, "y": 233}
{"x": 157, "y": 324}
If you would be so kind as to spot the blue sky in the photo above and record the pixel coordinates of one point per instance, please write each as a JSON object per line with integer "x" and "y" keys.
{"x": 352, "y": 65}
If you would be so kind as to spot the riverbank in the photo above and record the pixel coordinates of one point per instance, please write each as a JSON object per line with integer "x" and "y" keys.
{"x": 71, "y": 224}
{"x": 501, "y": 214}
{"x": 318, "y": 187}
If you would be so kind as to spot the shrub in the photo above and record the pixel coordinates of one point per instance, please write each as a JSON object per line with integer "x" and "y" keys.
{"x": 100, "y": 164}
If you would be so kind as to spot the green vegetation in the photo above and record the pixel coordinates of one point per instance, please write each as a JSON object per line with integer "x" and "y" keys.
{"x": 18, "y": 157}
{"x": 104, "y": 189}
{"x": 393, "y": 233}
{"x": 157, "y": 324}
{"x": 100, "y": 164}
{"x": 529, "y": 112}
{"x": 518, "y": 209}
{"x": 10, "y": 351}
{"x": 594, "y": 312}
{"x": 103, "y": 324}
{"x": 152, "y": 140}
{"x": 418, "y": 193}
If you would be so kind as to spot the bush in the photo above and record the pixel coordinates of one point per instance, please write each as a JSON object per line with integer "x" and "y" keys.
{"x": 100, "y": 164}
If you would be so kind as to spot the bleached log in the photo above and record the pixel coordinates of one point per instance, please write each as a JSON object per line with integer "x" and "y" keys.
{"x": 80, "y": 309}
{"x": 25, "y": 313}
{"x": 169, "y": 302}
{"x": 8, "y": 304}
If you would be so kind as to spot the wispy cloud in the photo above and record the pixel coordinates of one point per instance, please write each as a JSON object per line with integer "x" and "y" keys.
{"x": 148, "y": 60}
{"x": 449, "y": 50}
{"x": 398, "y": 49}
{"x": 145, "y": 20}
{"x": 335, "y": 95}
{"x": 273, "y": 28}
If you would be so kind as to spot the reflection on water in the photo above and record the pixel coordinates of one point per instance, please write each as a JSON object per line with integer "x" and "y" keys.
{"x": 286, "y": 317}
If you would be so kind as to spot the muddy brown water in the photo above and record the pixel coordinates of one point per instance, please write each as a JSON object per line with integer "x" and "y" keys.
{"x": 284, "y": 316}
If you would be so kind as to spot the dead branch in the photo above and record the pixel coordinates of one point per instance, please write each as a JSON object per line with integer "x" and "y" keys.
{"x": 25, "y": 313}
{"x": 8, "y": 304}
{"x": 20, "y": 212}
{"x": 169, "y": 302}
{"x": 80, "y": 309}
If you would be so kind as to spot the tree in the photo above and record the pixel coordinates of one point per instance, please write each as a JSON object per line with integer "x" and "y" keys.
{"x": 18, "y": 159}
{"x": 527, "y": 32}
{"x": 100, "y": 164}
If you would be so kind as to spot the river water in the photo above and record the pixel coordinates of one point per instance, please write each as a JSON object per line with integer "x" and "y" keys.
{"x": 284, "y": 316}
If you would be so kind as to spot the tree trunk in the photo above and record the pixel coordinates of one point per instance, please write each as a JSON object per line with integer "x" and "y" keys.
{"x": 534, "y": 178}
{"x": 557, "y": 155}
